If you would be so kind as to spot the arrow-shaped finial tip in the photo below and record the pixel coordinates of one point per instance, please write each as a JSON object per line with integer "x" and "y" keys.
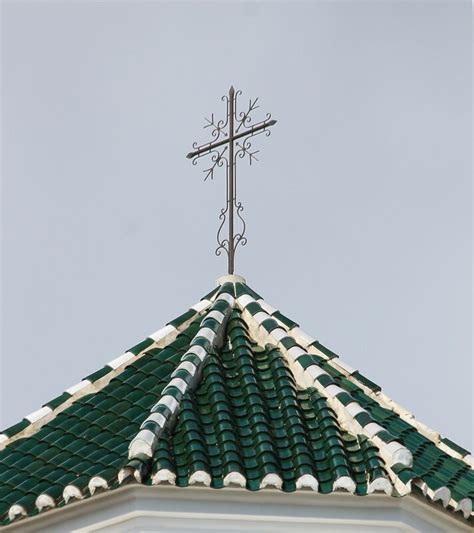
{"x": 231, "y": 90}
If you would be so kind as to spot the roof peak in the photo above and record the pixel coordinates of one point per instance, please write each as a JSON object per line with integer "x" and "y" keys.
{"x": 230, "y": 278}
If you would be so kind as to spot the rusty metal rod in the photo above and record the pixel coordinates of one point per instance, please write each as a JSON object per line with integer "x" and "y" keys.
{"x": 211, "y": 146}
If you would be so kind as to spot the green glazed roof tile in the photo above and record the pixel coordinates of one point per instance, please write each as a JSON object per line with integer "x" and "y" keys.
{"x": 56, "y": 402}
{"x": 365, "y": 381}
{"x": 220, "y": 407}
{"x": 326, "y": 351}
{"x": 140, "y": 346}
{"x": 181, "y": 319}
{"x": 16, "y": 428}
{"x": 98, "y": 374}
{"x": 455, "y": 447}
{"x": 282, "y": 318}
{"x": 242, "y": 289}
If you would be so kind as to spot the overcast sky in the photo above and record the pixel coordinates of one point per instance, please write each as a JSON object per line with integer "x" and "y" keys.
{"x": 358, "y": 211}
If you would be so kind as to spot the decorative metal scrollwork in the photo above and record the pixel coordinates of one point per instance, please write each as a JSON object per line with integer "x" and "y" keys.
{"x": 230, "y": 142}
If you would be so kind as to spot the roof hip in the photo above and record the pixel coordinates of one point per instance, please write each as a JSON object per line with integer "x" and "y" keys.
{"x": 231, "y": 392}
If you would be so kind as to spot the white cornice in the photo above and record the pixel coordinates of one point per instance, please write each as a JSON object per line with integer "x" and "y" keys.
{"x": 157, "y": 505}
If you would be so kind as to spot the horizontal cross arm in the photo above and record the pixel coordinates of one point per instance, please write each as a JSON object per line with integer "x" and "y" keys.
{"x": 209, "y": 147}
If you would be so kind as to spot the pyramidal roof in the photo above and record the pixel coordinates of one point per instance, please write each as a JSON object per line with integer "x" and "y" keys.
{"x": 229, "y": 393}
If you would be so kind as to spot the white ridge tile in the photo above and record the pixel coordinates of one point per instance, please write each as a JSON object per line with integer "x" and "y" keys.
{"x": 179, "y": 383}
{"x": 124, "y": 473}
{"x": 216, "y": 315}
{"x": 226, "y": 297}
{"x": 465, "y": 505}
{"x": 36, "y": 415}
{"x": 314, "y": 371}
{"x": 169, "y": 401}
{"x": 278, "y": 334}
{"x": 78, "y": 386}
{"x": 354, "y": 408}
{"x": 267, "y": 307}
{"x": 201, "y": 305}
{"x": 235, "y": 478}
{"x": 307, "y": 481}
{"x": 260, "y": 317}
{"x": 372, "y": 428}
{"x": 295, "y": 352}
{"x": 443, "y": 494}
{"x": 164, "y": 475}
{"x": 44, "y": 501}
{"x": 206, "y": 333}
{"x": 200, "y": 477}
{"x": 97, "y": 482}
{"x": 162, "y": 333}
{"x": 199, "y": 351}
{"x": 333, "y": 390}
{"x": 71, "y": 491}
{"x": 380, "y": 484}
{"x": 244, "y": 300}
{"x": 345, "y": 483}
{"x": 400, "y": 454}
{"x": 271, "y": 479}
{"x": 158, "y": 418}
{"x": 343, "y": 366}
{"x": 299, "y": 333}
{"x": 15, "y": 511}
{"x": 120, "y": 360}
{"x": 185, "y": 365}
{"x": 143, "y": 443}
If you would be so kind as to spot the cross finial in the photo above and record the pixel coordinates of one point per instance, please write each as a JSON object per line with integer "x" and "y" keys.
{"x": 231, "y": 141}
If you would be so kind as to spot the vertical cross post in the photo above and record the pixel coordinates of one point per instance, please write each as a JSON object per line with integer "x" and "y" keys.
{"x": 231, "y": 254}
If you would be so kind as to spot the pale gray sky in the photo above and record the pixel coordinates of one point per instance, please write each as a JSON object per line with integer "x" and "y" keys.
{"x": 358, "y": 211}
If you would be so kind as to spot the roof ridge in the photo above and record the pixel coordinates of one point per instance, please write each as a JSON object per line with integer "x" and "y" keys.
{"x": 351, "y": 415}
{"x": 99, "y": 379}
{"x": 369, "y": 387}
{"x": 186, "y": 374}
{"x": 265, "y": 322}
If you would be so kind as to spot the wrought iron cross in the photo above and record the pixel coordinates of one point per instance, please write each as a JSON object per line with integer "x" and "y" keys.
{"x": 231, "y": 140}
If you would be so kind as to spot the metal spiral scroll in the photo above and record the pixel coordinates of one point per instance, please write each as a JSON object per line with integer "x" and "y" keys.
{"x": 240, "y": 238}
{"x": 231, "y": 140}
{"x": 223, "y": 244}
